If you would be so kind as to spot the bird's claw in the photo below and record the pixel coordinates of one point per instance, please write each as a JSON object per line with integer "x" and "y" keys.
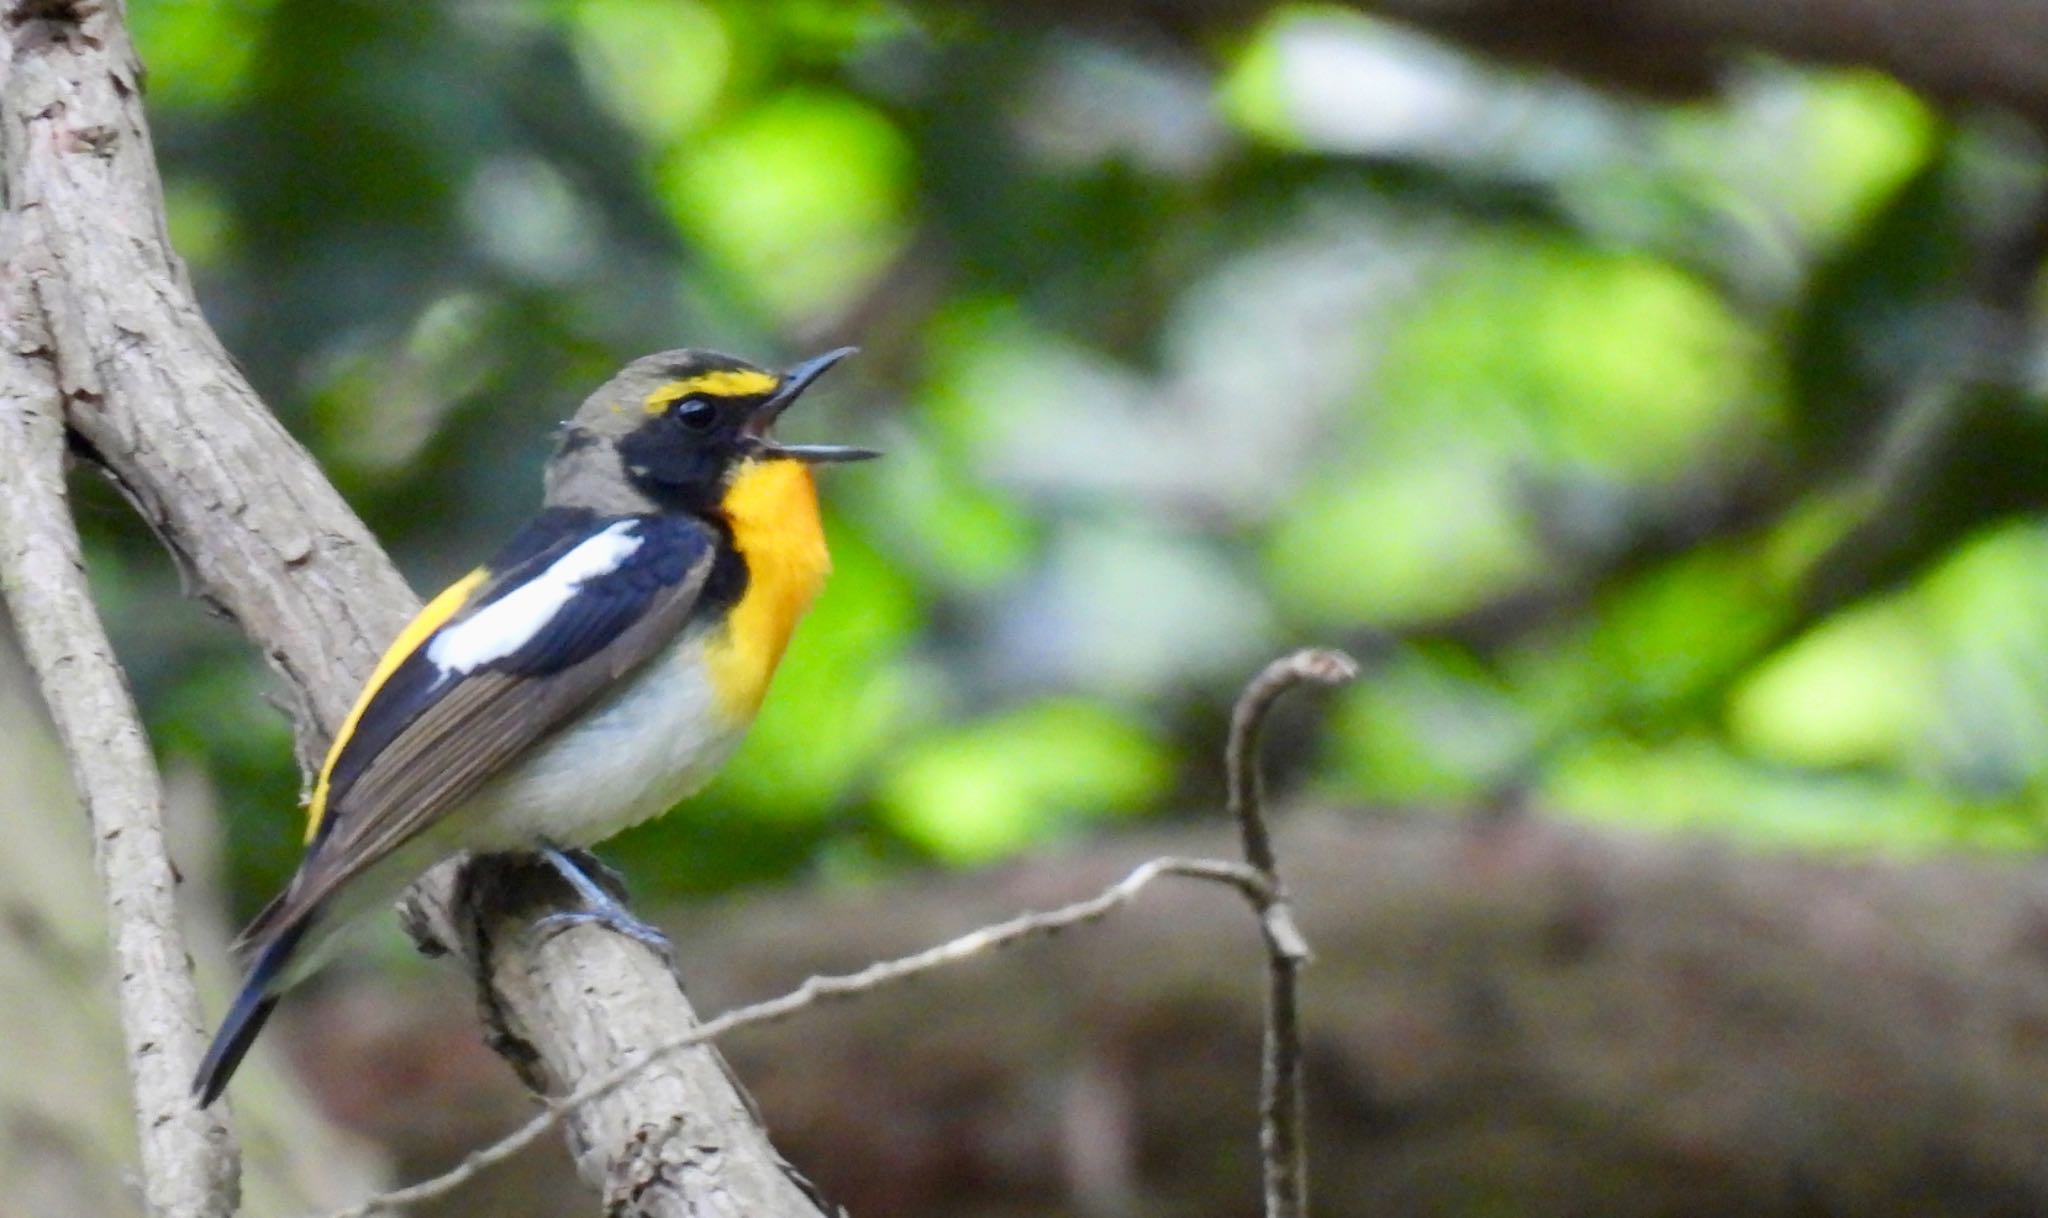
{"x": 617, "y": 919}
{"x": 600, "y": 906}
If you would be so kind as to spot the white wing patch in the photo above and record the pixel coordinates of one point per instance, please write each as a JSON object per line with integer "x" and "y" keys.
{"x": 512, "y": 621}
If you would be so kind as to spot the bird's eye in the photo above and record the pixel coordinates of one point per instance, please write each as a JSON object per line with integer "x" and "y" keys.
{"x": 695, "y": 413}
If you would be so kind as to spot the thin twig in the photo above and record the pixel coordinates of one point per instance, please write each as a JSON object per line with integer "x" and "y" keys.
{"x": 189, "y": 1163}
{"x": 1282, "y": 1119}
{"x": 820, "y": 989}
{"x": 1281, "y": 1123}
{"x": 1248, "y": 721}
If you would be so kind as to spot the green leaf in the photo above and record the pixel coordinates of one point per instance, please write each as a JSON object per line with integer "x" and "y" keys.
{"x": 1008, "y": 781}
{"x": 803, "y": 195}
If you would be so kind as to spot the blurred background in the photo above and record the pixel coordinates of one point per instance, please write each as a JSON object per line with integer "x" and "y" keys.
{"x": 1657, "y": 414}
{"x": 1666, "y": 462}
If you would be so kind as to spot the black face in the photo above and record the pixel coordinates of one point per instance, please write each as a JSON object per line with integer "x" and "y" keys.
{"x": 710, "y": 415}
{"x": 683, "y": 455}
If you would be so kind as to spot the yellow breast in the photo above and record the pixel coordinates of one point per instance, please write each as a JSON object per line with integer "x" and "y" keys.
{"x": 773, "y": 507}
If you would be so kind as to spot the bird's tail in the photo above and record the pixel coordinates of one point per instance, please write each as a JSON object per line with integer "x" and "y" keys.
{"x": 274, "y": 945}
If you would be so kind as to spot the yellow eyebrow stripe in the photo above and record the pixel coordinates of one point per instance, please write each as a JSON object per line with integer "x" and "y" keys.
{"x": 430, "y": 619}
{"x": 727, "y": 384}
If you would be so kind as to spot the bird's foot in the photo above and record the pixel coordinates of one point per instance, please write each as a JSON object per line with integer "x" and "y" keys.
{"x": 616, "y": 918}
{"x": 595, "y": 870}
{"x": 599, "y": 905}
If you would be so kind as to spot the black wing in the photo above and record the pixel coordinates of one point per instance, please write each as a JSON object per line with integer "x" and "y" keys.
{"x": 435, "y": 729}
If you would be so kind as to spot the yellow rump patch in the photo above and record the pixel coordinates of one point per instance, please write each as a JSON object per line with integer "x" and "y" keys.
{"x": 773, "y": 507}
{"x": 430, "y": 619}
{"x": 730, "y": 383}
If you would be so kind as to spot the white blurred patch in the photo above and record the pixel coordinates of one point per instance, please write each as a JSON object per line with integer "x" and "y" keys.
{"x": 1261, "y": 361}
{"x": 530, "y": 220}
{"x": 1093, "y": 104}
{"x": 1349, "y": 84}
{"x": 1130, "y": 612}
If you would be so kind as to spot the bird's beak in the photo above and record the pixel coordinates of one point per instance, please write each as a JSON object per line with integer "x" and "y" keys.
{"x": 794, "y": 382}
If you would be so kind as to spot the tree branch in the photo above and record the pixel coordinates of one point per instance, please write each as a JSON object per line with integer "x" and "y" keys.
{"x": 263, "y": 538}
{"x": 1282, "y": 1120}
{"x": 1982, "y": 52}
{"x": 821, "y": 989}
{"x": 1282, "y": 1138}
{"x": 190, "y": 1165}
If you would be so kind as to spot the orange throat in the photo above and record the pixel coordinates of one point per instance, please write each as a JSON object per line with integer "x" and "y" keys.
{"x": 773, "y": 509}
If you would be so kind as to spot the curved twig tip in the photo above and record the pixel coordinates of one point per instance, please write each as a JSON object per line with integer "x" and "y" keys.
{"x": 1324, "y": 665}
{"x": 1321, "y": 665}
{"x": 1281, "y": 1138}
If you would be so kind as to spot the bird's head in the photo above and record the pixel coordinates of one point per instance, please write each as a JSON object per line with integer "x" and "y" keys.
{"x": 674, "y": 429}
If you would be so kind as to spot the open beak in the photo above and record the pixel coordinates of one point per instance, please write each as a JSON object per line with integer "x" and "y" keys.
{"x": 794, "y": 382}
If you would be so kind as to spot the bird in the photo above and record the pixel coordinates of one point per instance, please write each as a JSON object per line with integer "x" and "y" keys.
{"x": 592, "y": 674}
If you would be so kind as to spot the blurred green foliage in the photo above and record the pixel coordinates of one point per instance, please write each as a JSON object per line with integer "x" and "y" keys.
{"x": 1673, "y": 464}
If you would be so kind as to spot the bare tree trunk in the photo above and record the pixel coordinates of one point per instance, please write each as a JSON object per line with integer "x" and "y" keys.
{"x": 147, "y": 391}
{"x": 189, "y": 1161}
{"x": 67, "y": 1127}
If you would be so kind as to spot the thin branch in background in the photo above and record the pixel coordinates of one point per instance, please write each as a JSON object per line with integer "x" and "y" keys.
{"x": 1283, "y": 1142}
{"x": 823, "y": 989}
{"x": 190, "y": 1167}
{"x": 1281, "y": 1126}
{"x": 1983, "y": 53}
{"x": 1248, "y": 723}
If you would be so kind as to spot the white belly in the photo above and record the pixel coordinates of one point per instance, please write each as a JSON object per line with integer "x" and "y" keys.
{"x": 653, "y": 742}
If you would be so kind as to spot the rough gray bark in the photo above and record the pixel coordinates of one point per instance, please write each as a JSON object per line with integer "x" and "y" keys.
{"x": 263, "y": 538}
{"x": 67, "y": 1122}
{"x": 568, "y": 1008}
{"x": 1514, "y": 1016}
{"x": 190, "y": 1164}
